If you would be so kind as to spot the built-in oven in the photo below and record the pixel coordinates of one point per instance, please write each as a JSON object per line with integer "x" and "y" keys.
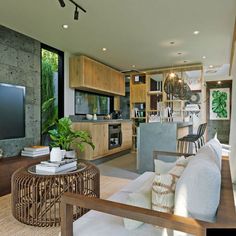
{"x": 114, "y": 136}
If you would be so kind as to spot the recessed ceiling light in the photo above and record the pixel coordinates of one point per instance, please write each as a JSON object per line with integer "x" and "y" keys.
{"x": 185, "y": 61}
{"x": 210, "y": 66}
{"x": 196, "y": 32}
{"x": 65, "y": 26}
{"x": 104, "y": 49}
{"x": 204, "y": 57}
{"x": 219, "y": 82}
{"x": 133, "y": 66}
{"x": 179, "y": 53}
{"x": 172, "y": 42}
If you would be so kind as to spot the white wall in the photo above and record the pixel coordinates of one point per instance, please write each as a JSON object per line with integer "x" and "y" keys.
{"x": 232, "y": 140}
{"x": 68, "y": 92}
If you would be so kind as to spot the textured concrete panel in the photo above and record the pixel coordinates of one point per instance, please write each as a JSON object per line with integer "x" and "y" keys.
{"x": 20, "y": 65}
{"x": 154, "y": 136}
{"x": 8, "y": 55}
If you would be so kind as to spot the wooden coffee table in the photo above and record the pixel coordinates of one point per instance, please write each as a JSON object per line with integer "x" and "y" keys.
{"x": 36, "y": 197}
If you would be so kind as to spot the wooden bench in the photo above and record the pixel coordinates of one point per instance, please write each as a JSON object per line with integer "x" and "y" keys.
{"x": 225, "y": 218}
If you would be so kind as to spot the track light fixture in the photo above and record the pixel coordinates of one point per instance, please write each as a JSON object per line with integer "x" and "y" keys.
{"x": 76, "y": 14}
{"x": 62, "y": 3}
{"x": 77, "y": 6}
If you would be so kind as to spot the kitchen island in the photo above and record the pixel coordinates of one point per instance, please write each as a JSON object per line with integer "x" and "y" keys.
{"x": 109, "y": 136}
{"x": 158, "y": 136}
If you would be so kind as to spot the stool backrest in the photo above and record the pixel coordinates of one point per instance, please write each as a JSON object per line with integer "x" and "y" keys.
{"x": 201, "y": 129}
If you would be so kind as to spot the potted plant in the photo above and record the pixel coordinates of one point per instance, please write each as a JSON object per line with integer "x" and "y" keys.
{"x": 64, "y": 137}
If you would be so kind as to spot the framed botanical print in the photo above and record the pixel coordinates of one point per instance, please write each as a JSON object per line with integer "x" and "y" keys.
{"x": 220, "y": 104}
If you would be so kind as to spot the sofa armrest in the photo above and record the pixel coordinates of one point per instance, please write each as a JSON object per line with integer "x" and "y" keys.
{"x": 168, "y": 154}
{"x": 161, "y": 219}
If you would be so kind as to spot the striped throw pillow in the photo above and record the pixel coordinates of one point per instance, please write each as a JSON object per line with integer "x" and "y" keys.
{"x": 163, "y": 187}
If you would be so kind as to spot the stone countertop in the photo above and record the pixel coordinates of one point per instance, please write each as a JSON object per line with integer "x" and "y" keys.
{"x": 78, "y": 119}
{"x": 184, "y": 124}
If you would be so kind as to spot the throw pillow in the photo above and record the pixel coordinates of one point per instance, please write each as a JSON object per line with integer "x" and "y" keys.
{"x": 163, "y": 188}
{"x": 162, "y": 167}
{"x": 198, "y": 190}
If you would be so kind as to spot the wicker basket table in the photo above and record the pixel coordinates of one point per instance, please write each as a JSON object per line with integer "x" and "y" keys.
{"x": 36, "y": 197}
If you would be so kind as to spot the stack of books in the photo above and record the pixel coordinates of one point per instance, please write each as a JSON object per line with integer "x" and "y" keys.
{"x": 54, "y": 167}
{"x": 35, "y": 151}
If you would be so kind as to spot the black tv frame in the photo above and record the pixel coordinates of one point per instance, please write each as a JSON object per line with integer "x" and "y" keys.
{"x": 24, "y": 89}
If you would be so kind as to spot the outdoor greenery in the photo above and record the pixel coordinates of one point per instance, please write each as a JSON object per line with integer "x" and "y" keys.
{"x": 219, "y": 105}
{"x": 49, "y": 108}
{"x": 65, "y": 138}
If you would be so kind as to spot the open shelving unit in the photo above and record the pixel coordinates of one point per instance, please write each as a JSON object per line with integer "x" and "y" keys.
{"x": 147, "y": 91}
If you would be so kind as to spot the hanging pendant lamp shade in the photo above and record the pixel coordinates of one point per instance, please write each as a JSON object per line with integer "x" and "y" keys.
{"x": 177, "y": 87}
{"x": 184, "y": 92}
{"x": 170, "y": 82}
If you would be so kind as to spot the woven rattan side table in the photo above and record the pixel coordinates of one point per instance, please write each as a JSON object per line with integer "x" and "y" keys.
{"x": 36, "y": 197}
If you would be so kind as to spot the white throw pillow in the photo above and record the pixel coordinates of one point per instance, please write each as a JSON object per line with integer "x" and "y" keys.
{"x": 162, "y": 167}
{"x": 197, "y": 192}
{"x": 208, "y": 153}
{"x": 163, "y": 188}
{"x": 140, "y": 198}
{"x": 217, "y": 147}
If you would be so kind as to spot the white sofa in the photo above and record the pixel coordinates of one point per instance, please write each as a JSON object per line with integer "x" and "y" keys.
{"x": 197, "y": 196}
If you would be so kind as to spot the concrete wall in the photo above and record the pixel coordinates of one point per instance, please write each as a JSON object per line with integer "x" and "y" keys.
{"x": 20, "y": 65}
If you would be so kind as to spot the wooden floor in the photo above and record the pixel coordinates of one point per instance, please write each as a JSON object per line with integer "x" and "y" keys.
{"x": 9, "y": 226}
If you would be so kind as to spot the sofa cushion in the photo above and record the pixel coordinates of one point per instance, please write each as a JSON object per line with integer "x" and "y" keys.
{"x": 197, "y": 192}
{"x": 135, "y": 185}
{"x": 96, "y": 223}
{"x": 140, "y": 198}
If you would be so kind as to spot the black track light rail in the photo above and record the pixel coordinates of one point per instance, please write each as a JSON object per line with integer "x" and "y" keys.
{"x": 77, "y": 5}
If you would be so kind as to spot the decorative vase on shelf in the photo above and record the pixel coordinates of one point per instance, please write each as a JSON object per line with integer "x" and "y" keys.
{"x": 55, "y": 154}
{"x": 95, "y": 117}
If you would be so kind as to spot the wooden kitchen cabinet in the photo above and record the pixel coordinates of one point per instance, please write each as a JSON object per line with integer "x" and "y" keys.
{"x": 99, "y": 133}
{"x": 90, "y": 75}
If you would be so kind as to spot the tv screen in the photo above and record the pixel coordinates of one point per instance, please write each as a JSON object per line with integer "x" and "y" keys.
{"x": 12, "y": 111}
{"x": 92, "y": 103}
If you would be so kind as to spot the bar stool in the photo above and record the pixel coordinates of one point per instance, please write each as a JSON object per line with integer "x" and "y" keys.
{"x": 196, "y": 139}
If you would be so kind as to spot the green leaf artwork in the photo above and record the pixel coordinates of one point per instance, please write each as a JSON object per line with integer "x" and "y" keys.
{"x": 219, "y": 103}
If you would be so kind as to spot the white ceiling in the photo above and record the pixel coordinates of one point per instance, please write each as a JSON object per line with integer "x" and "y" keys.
{"x": 133, "y": 31}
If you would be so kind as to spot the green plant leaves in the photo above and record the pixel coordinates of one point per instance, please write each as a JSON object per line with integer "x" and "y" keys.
{"x": 64, "y": 137}
{"x": 219, "y": 103}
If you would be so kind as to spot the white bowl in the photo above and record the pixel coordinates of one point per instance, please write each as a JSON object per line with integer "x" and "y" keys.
{"x": 89, "y": 116}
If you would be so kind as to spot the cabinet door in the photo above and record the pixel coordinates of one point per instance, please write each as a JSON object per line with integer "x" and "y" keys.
{"x": 91, "y": 75}
{"x": 117, "y": 82}
{"x": 137, "y": 93}
{"x": 126, "y": 128}
{"x": 76, "y": 72}
{"x": 88, "y": 72}
{"x": 100, "y": 139}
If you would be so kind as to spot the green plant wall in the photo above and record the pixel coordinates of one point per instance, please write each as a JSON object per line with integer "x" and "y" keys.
{"x": 49, "y": 108}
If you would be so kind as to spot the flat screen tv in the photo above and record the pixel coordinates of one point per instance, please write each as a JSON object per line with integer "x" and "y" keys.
{"x": 93, "y": 103}
{"x": 12, "y": 111}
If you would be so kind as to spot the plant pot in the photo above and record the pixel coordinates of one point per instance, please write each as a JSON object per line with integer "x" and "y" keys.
{"x": 55, "y": 154}
{"x": 70, "y": 154}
